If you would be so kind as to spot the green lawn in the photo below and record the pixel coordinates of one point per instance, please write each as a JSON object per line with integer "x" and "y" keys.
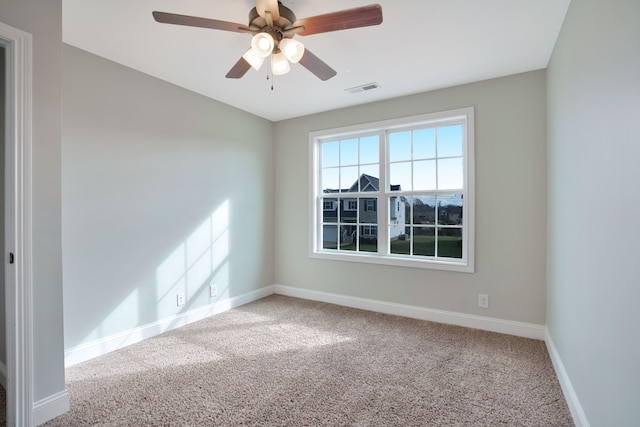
{"x": 448, "y": 246}
{"x": 364, "y": 247}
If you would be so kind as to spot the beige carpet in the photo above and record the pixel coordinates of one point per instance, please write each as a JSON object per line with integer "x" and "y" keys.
{"x": 282, "y": 361}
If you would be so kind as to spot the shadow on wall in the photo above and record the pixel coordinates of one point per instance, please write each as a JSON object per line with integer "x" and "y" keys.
{"x": 199, "y": 260}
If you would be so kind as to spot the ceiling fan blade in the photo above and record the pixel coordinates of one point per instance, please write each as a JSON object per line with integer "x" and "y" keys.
{"x": 239, "y": 69}
{"x": 262, "y": 6}
{"x": 194, "y": 21}
{"x": 342, "y": 20}
{"x": 317, "y": 66}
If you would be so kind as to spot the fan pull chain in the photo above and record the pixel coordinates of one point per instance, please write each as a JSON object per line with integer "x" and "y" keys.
{"x": 271, "y": 80}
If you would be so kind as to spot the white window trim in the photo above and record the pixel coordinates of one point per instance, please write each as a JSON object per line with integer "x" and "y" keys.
{"x": 467, "y": 263}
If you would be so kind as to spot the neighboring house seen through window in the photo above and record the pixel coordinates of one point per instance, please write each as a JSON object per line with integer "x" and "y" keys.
{"x": 397, "y": 192}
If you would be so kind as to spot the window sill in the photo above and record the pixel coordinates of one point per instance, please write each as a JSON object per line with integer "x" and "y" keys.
{"x": 463, "y": 266}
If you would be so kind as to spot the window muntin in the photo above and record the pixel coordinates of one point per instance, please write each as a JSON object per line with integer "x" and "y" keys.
{"x": 414, "y": 175}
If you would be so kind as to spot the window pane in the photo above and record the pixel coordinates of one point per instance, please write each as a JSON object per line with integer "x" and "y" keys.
{"x": 330, "y": 210}
{"x": 450, "y": 141}
{"x": 424, "y": 241}
{"x": 400, "y": 175}
{"x": 450, "y": 209}
{"x": 400, "y": 146}
{"x": 399, "y": 229}
{"x": 398, "y": 211}
{"x": 368, "y": 238}
{"x": 424, "y": 175}
{"x": 369, "y": 149}
{"x": 330, "y": 179}
{"x": 401, "y": 244}
{"x": 349, "y": 152}
{"x": 450, "y": 242}
{"x": 329, "y": 236}
{"x": 450, "y": 174}
{"x": 368, "y": 211}
{"x": 330, "y": 154}
{"x": 348, "y": 237}
{"x": 370, "y": 182}
{"x": 349, "y": 179}
{"x": 424, "y": 210}
{"x": 424, "y": 143}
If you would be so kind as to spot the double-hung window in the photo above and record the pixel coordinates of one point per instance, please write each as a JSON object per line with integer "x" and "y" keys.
{"x": 397, "y": 192}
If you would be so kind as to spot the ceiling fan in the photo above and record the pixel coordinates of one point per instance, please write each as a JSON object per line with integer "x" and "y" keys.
{"x": 273, "y": 27}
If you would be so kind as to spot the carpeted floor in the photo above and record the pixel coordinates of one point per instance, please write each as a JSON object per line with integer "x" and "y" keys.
{"x": 283, "y": 361}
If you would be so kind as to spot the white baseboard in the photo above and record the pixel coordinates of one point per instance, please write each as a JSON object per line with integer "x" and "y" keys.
{"x": 577, "y": 412}
{"x": 526, "y": 330}
{"x": 50, "y": 407}
{"x": 105, "y": 345}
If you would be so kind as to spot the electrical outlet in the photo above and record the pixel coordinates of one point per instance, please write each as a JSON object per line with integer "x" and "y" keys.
{"x": 213, "y": 290}
{"x": 483, "y": 300}
{"x": 180, "y": 299}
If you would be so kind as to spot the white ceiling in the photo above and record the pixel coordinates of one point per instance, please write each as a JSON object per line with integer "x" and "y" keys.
{"x": 421, "y": 45}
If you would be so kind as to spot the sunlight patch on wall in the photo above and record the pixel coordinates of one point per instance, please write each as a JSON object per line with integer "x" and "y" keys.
{"x": 195, "y": 264}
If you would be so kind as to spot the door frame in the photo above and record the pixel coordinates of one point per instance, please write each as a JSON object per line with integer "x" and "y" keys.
{"x": 18, "y": 225}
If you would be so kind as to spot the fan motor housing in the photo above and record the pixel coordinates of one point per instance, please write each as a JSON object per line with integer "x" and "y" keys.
{"x": 286, "y": 19}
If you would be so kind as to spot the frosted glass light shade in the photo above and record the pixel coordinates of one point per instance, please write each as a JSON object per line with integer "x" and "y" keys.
{"x": 279, "y": 64}
{"x": 292, "y": 49}
{"x": 253, "y": 59}
{"x": 262, "y": 44}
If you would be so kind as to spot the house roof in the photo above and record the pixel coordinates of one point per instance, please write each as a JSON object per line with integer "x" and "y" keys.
{"x": 367, "y": 183}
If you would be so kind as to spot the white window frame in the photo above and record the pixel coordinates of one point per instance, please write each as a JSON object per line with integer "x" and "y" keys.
{"x": 466, "y": 264}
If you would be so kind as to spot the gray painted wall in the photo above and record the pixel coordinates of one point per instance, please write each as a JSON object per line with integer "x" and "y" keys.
{"x": 594, "y": 206}
{"x": 510, "y": 125}
{"x": 164, "y": 190}
{"x": 43, "y": 19}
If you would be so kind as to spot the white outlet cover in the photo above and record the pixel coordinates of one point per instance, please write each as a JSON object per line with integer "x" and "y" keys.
{"x": 180, "y": 299}
{"x": 483, "y": 300}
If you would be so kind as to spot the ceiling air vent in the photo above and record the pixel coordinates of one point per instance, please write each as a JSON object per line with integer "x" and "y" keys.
{"x": 362, "y": 88}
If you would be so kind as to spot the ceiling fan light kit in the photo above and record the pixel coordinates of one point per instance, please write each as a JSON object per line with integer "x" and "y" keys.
{"x": 253, "y": 59}
{"x": 263, "y": 44}
{"x": 292, "y": 49}
{"x": 273, "y": 27}
{"x": 279, "y": 64}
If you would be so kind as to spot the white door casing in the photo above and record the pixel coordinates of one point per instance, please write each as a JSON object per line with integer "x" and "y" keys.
{"x": 18, "y": 225}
